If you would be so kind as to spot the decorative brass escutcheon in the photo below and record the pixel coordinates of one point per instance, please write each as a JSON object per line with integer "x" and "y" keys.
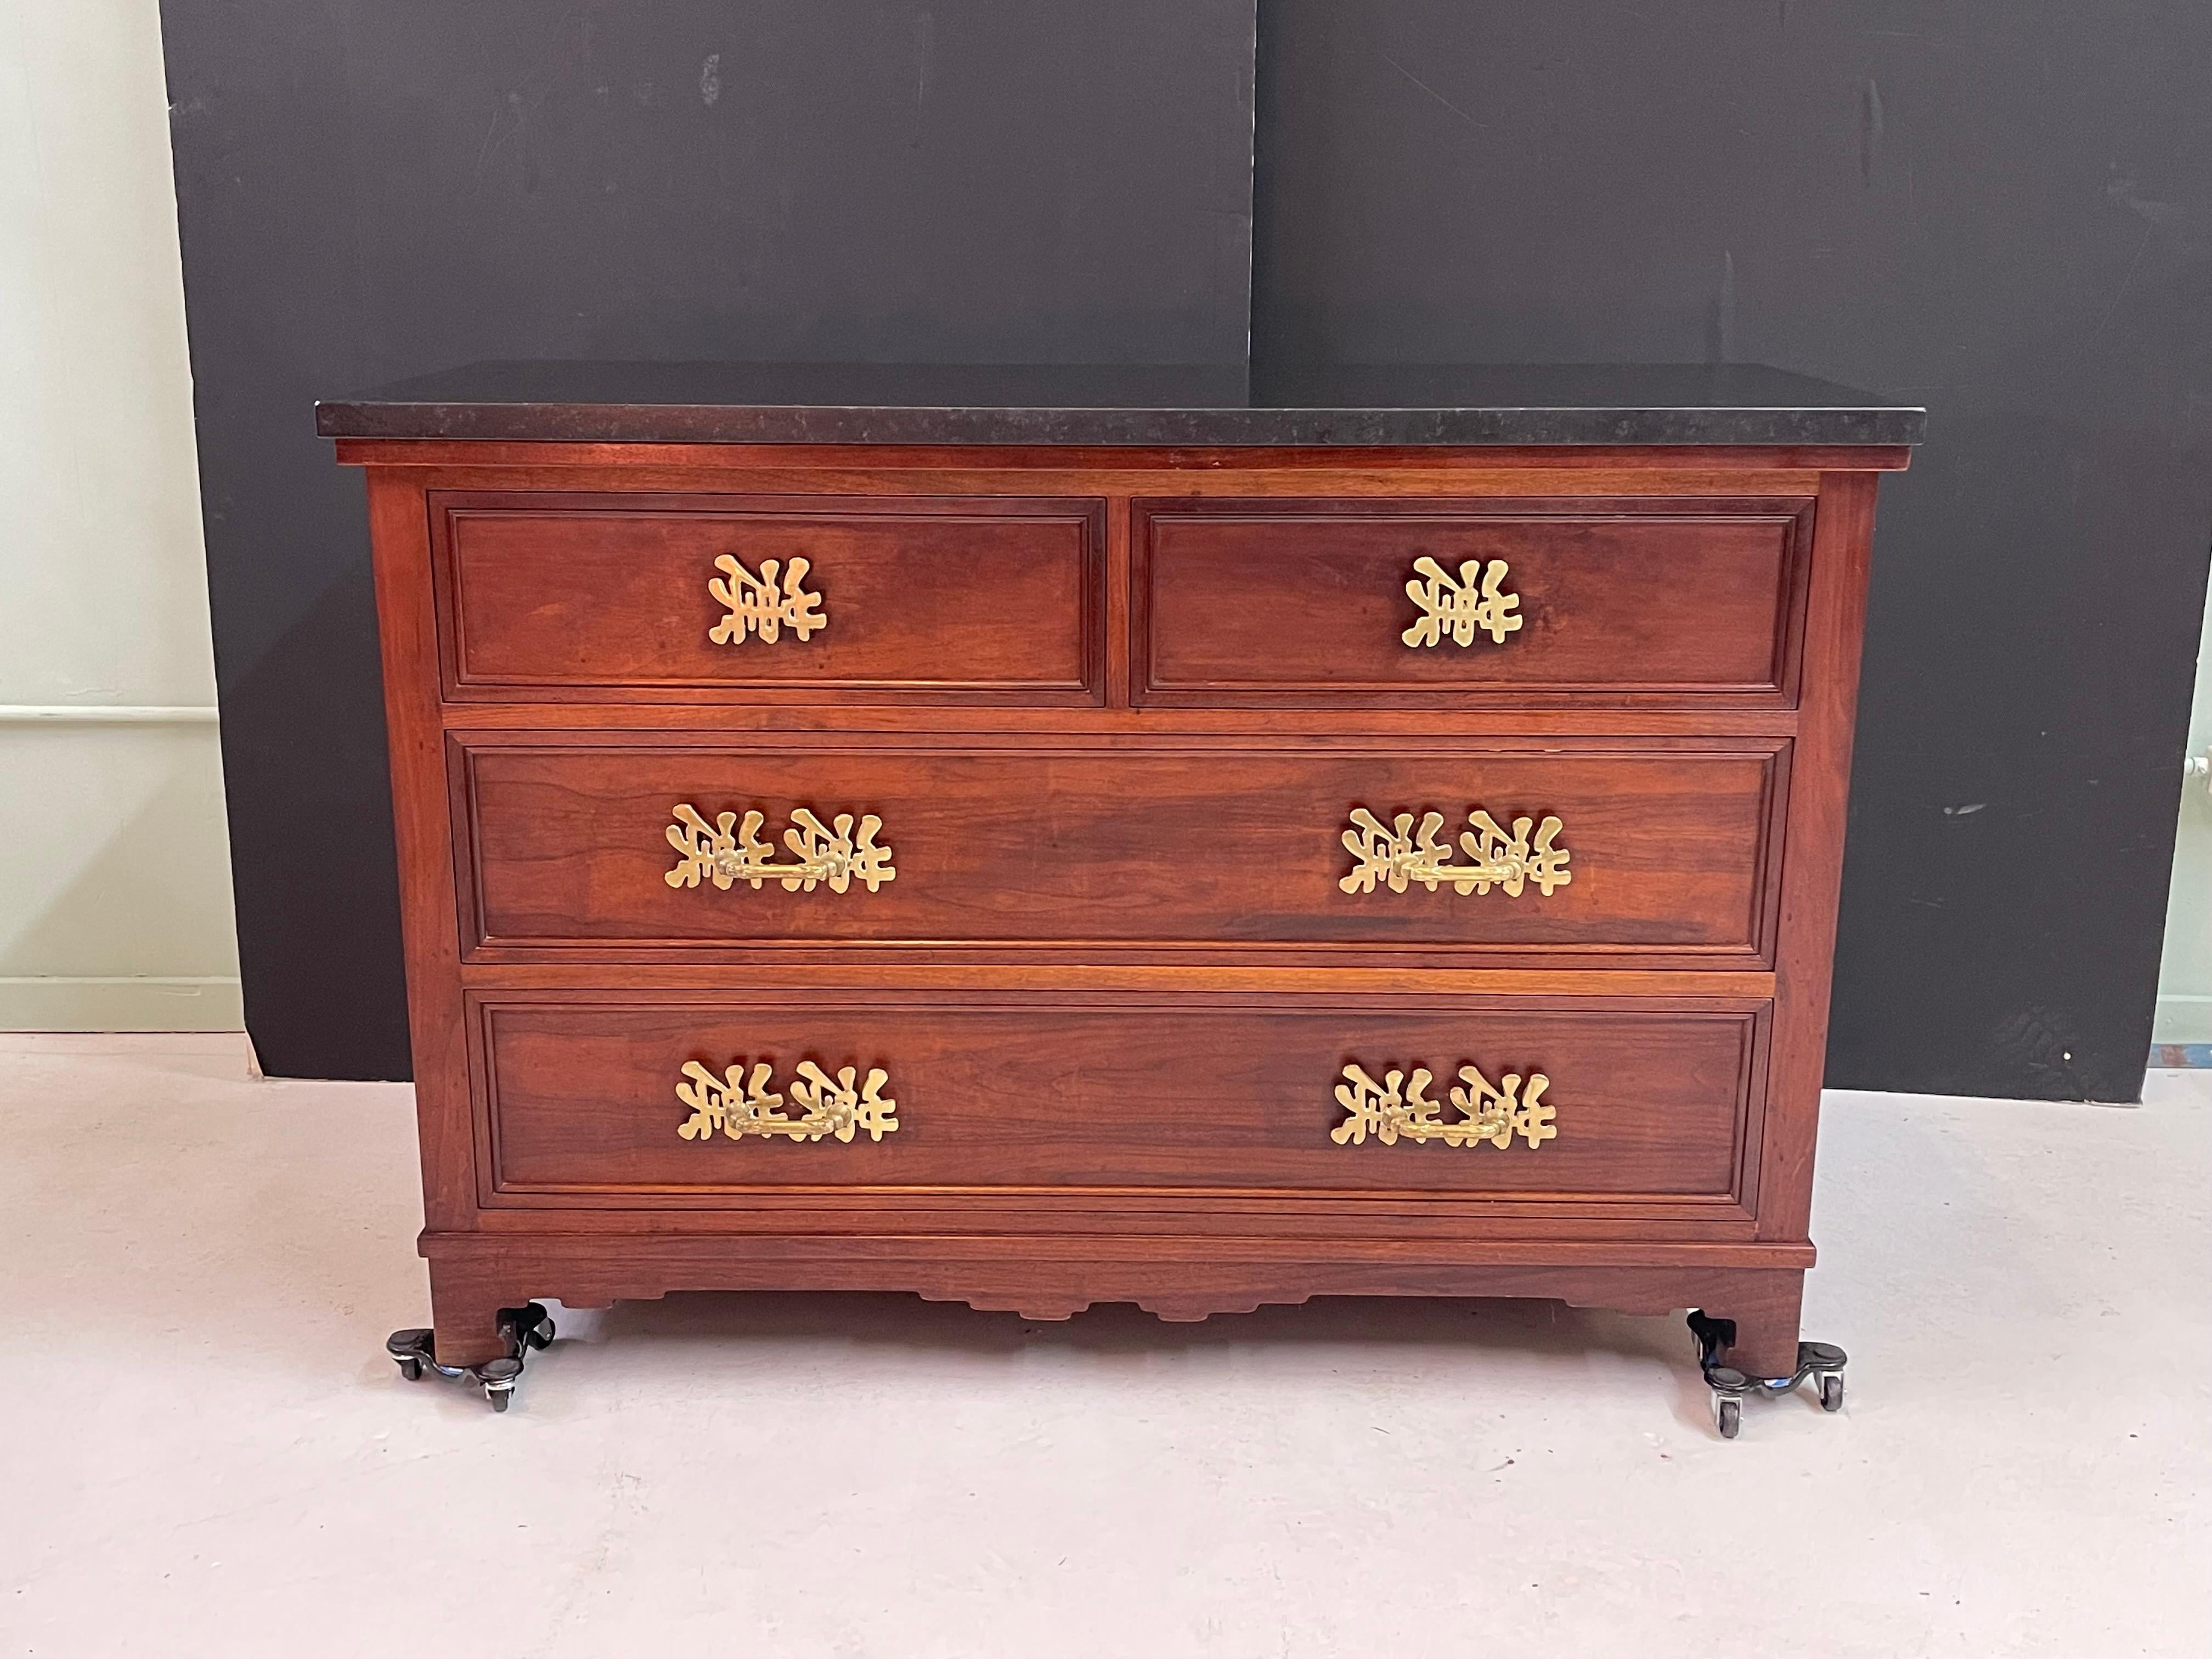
{"x": 761, "y": 606}
{"x": 729, "y": 851}
{"x": 741, "y": 1105}
{"x": 1399, "y": 1105}
{"x": 1475, "y": 601}
{"x": 1397, "y": 855}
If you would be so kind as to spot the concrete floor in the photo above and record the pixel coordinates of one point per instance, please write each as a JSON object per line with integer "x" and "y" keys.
{"x": 205, "y": 1451}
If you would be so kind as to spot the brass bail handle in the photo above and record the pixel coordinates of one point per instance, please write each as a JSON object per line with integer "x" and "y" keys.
{"x": 1397, "y": 855}
{"x": 1398, "y": 1105}
{"x": 730, "y": 850}
{"x": 741, "y": 1102}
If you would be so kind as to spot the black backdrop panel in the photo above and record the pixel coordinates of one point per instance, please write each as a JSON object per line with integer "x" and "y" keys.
{"x": 1992, "y": 207}
{"x": 376, "y": 188}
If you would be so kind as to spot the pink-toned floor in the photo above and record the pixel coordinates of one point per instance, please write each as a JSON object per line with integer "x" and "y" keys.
{"x": 205, "y": 1451}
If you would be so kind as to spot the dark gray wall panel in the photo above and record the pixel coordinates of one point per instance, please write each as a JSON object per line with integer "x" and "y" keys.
{"x": 376, "y": 188}
{"x": 1996, "y": 208}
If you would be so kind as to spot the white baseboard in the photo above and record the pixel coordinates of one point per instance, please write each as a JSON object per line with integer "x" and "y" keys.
{"x": 79, "y": 1003}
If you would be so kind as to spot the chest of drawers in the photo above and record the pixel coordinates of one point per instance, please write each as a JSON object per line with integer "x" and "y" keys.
{"x": 1067, "y": 846}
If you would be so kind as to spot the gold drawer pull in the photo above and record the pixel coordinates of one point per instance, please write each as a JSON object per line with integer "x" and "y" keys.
{"x": 1475, "y": 601}
{"x": 829, "y": 853}
{"x": 1487, "y": 1112}
{"x": 738, "y": 1105}
{"x": 1397, "y": 855}
{"x": 760, "y": 606}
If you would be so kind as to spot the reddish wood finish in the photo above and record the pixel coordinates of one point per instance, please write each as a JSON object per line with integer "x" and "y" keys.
{"x": 1624, "y": 603}
{"x": 1050, "y": 1093}
{"x": 1082, "y": 849}
{"x": 604, "y": 598}
{"x": 1115, "y": 952}
{"x": 1050, "y": 1277}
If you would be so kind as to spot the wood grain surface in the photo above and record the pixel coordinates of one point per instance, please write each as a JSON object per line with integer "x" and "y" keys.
{"x": 598, "y": 598}
{"x": 1631, "y": 602}
{"x": 1106, "y": 1092}
{"x": 1203, "y": 846}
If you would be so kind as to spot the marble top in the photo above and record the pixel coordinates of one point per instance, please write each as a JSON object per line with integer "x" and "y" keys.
{"x": 1358, "y": 405}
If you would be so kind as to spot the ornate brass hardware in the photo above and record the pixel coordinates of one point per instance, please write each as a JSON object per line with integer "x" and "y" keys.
{"x": 829, "y": 853}
{"x": 1397, "y": 855}
{"x": 1474, "y": 601}
{"x": 741, "y": 1105}
{"x": 1487, "y": 1112}
{"x": 759, "y": 606}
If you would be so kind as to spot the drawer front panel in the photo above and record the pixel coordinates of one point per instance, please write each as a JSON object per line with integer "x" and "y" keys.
{"x": 1619, "y": 603}
{"x": 1648, "y": 849}
{"x": 791, "y": 599}
{"x": 594, "y": 1096}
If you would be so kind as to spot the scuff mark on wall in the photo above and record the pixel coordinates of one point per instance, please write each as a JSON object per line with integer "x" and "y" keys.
{"x": 1432, "y": 92}
{"x": 494, "y": 137}
{"x": 925, "y": 56}
{"x": 1870, "y": 126}
{"x": 1720, "y": 332}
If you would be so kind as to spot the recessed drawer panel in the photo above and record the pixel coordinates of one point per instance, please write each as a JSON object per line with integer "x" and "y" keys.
{"x": 774, "y": 599}
{"x": 1643, "y": 603}
{"x": 1660, "y": 850}
{"x": 1460, "y": 1095}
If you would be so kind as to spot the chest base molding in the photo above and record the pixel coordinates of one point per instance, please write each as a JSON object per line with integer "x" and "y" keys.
{"x": 1047, "y": 1276}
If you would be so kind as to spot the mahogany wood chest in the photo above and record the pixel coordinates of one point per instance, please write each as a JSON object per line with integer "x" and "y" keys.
{"x": 1045, "y": 837}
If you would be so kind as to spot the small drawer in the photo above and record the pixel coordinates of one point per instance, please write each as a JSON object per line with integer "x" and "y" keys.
{"x": 791, "y": 599}
{"x": 1656, "y": 853}
{"x": 1600, "y": 603}
{"x": 600, "y": 1093}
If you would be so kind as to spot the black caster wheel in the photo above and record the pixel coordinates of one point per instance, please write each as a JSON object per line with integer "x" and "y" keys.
{"x": 1727, "y": 1416}
{"x": 499, "y": 1377}
{"x": 1831, "y": 1392}
{"x": 409, "y": 1350}
{"x": 528, "y": 1327}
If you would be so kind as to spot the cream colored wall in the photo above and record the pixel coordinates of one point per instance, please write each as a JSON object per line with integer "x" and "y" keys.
{"x": 2185, "y": 973}
{"x": 115, "y": 910}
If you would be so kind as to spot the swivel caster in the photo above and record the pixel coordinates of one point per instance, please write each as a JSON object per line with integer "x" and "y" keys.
{"x": 1822, "y": 1361}
{"x": 535, "y": 1325}
{"x": 499, "y": 1377}
{"x": 521, "y": 1329}
{"x": 409, "y": 1350}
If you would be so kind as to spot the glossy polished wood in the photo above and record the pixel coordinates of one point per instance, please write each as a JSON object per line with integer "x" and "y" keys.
{"x": 1191, "y": 847}
{"x": 604, "y": 598}
{"x": 1067, "y": 1094}
{"x": 1621, "y": 601}
{"x": 1115, "y": 946}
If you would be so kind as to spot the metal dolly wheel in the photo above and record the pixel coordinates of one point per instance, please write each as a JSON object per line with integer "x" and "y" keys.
{"x": 522, "y": 1329}
{"x": 1822, "y": 1361}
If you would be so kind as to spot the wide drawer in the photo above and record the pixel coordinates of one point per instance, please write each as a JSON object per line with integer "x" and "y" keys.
{"x": 600, "y": 1094}
{"x": 1662, "y": 850}
{"x": 578, "y": 597}
{"x": 1613, "y": 603}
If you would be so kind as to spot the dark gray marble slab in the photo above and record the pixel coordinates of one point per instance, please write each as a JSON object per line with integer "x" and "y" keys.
{"x": 1381, "y": 404}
